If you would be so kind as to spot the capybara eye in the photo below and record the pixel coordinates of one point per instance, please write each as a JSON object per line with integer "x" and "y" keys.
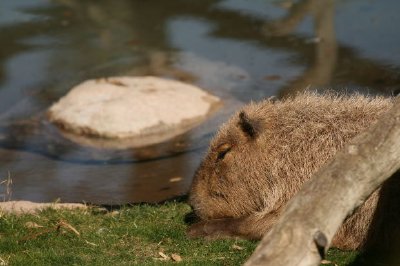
{"x": 221, "y": 155}
{"x": 223, "y": 150}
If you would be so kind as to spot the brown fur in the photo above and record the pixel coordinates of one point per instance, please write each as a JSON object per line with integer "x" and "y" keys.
{"x": 261, "y": 157}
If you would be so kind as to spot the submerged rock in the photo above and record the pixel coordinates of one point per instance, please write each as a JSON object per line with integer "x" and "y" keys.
{"x": 137, "y": 110}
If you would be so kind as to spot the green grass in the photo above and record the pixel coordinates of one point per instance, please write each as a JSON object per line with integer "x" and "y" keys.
{"x": 132, "y": 235}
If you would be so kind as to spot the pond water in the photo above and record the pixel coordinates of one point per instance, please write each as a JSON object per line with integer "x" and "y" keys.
{"x": 239, "y": 50}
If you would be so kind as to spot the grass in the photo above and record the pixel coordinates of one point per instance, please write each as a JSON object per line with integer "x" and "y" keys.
{"x": 140, "y": 234}
{"x": 131, "y": 235}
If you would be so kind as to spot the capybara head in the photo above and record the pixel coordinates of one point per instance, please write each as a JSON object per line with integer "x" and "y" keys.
{"x": 266, "y": 151}
{"x": 235, "y": 157}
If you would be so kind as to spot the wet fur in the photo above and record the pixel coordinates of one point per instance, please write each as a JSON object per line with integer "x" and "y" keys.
{"x": 261, "y": 157}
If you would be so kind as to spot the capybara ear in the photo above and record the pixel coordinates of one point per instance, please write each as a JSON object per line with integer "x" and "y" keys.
{"x": 250, "y": 128}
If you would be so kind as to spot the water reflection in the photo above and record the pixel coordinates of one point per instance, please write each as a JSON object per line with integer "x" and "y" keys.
{"x": 319, "y": 73}
{"x": 239, "y": 50}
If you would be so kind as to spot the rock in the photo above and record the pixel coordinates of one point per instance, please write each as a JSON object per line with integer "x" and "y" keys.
{"x": 145, "y": 110}
{"x": 20, "y": 207}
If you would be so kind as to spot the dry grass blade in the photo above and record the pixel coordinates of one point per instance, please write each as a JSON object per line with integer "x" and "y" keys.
{"x": 34, "y": 236}
{"x": 91, "y": 243}
{"x": 32, "y": 225}
{"x": 57, "y": 228}
{"x": 66, "y": 225}
{"x": 3, "y": 262}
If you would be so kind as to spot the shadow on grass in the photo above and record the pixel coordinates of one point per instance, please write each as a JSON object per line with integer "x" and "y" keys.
{"x": 391, "y": 258}
{"x": 116, "y": 207}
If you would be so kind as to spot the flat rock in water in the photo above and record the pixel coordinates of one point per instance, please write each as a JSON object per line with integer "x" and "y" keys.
{"x": 146, "y": 110}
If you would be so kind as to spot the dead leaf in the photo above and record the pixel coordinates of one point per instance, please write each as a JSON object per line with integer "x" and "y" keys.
{"x": 175, "y": 179}
{"x": 234, "y": 246}
{"x": 113, "y": 213}
{"x": 328, "y": 262}
{"x": 176, "y": 257}
{"x": 163, "y": 256}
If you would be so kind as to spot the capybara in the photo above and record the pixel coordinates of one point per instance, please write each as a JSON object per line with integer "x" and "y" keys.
{"x": 262, "y": 156}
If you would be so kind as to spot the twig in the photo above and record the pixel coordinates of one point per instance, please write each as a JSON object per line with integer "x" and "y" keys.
{"x": 8, "y": 193}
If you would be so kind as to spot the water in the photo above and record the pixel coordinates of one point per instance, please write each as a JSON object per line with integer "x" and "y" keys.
{"x": 239, "y": 50}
